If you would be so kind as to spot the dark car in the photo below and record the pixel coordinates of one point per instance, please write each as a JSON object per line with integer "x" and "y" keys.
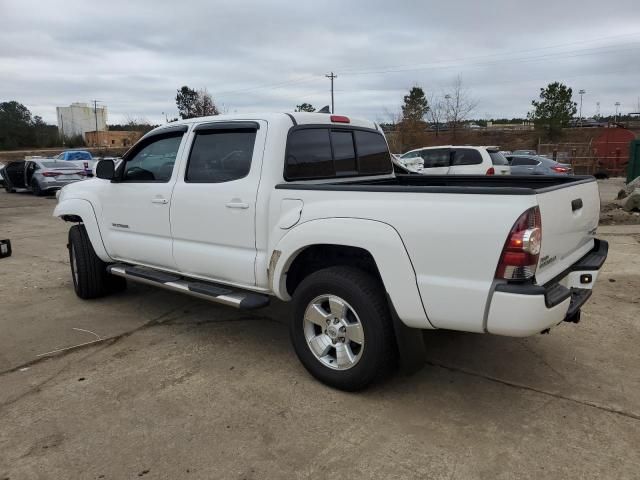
{"x": 537, "y": 165}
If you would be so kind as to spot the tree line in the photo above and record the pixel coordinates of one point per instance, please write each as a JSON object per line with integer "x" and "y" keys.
{"x": 452, "y": 109}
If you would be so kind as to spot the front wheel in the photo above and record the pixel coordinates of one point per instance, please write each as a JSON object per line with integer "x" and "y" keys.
{"x": 341, "y": 328}
{"x": 89, "y": 273}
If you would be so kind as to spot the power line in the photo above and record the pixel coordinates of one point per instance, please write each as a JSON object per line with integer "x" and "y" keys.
{"x": 446, "y": 63}
{"x": 500, "y": 54}
{"x": 443, "y": 64}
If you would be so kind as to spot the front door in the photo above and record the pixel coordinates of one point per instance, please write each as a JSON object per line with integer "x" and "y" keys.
{"x": 214, "y": 202}
{"x": 15, "y": 173}
{"x": 135, "y": 207}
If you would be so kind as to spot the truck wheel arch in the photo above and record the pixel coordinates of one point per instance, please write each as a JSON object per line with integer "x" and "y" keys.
{"x": 377, "y": 248}
{"x": 81, "y": 211}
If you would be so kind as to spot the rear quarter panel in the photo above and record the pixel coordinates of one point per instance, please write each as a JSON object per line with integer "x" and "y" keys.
{"x": 453, "y": 241}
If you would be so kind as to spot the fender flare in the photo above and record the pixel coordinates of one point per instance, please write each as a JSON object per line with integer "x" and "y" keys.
{"x": 84, "y": 210}
{"x": 380, "y": 239}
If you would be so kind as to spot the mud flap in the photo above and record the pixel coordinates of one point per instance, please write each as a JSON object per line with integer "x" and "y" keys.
{"x": 411, "y": 349}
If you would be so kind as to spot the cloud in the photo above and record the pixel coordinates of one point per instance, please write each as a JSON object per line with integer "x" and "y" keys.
{"x": 259, "y": 56}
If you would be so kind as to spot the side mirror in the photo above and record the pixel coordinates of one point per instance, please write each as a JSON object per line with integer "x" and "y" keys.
{"x": 105, "y": 169}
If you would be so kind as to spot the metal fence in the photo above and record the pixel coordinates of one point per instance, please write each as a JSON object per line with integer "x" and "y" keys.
{"x": 589, "y": 158}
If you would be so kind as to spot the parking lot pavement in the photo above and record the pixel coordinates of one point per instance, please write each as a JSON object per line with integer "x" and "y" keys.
{"x": 187, "y": 389}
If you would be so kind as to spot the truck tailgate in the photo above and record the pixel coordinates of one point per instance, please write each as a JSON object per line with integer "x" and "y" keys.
{"x": 570, "y": 216}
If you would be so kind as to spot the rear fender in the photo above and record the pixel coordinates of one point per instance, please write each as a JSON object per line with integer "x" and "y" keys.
{"x": 84, "y": 210}
{"x": 381, "y": 240}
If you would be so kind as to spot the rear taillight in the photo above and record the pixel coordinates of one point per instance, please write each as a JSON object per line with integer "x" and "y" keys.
{"x": 519, "y": 258}
{"x": 491, "y": 171}
{"x": 560, "y": 169}
{"x": 50, "y": 174}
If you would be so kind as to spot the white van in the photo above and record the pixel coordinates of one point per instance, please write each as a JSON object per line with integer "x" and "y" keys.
{"x": 454, "y": 160}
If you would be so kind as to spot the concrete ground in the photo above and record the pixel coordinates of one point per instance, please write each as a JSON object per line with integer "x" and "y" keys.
{"x": 175, "y": 387}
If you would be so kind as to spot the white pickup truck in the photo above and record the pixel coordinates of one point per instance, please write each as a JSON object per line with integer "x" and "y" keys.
{"x": 306, "y": 207}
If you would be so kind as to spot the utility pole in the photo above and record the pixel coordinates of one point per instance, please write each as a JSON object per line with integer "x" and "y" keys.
{"x": 331, "y": 77}
{"x": 581, "y": 92}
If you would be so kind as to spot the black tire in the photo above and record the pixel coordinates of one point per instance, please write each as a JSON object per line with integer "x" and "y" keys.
{"x": 366, "y": 296}
{"x": 35, "y": 188}
{"x": 9, "y": 189}
{"x": 89, "y": 273}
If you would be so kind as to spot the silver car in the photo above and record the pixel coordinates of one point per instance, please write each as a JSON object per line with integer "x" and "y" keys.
{"x": 41, "y": 176}
{"x": 537, "y": 165}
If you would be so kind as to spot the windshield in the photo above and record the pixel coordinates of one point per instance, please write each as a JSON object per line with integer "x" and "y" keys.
{"x": 498, "y": 159}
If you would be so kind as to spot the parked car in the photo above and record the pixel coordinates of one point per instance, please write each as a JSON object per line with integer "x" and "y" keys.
{"x": 81, "y": 158}
{"x": 524, "y": 152}
{"x": 41, "y": 176}
{"x": 454, "y": 160}
{"x": 305, "y": 207}
{"x": 537, "y": 165}
{"x": 74, "y": 155}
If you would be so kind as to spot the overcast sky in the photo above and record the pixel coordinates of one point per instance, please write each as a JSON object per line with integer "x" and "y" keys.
{"x": 272, "y": 55}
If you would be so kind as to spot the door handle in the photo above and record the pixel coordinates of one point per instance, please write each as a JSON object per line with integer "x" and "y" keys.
{"x": 237, "y": 205}
{"x": 162, "y": 201}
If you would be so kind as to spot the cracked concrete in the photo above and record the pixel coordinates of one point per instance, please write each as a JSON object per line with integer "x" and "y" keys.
{"x": 179, "y": 388}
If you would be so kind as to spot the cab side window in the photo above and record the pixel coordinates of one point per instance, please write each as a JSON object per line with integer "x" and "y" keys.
{"x": 153, "y": 162}
{"x": 220, "y": 155}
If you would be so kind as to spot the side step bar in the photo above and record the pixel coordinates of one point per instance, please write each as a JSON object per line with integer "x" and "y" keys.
{"x": 196, "y": 288}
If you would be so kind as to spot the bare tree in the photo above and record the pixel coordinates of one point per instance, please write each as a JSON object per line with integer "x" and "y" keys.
{"x": 391, "y": 124}
{"x": 458, "y": 105}
{"x": 436, "y": 111}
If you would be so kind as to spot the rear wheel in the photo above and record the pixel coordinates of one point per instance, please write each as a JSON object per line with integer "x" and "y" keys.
{"x": 89, "y": 273}
{"x": 341, "y": 329}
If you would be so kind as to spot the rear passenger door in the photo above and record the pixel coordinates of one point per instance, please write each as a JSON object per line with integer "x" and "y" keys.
{"x": 214, "y": 202}
{"x": 436, "y": 161}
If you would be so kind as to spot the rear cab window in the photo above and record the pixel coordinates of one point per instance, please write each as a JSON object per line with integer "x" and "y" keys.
{"x": 324, "y": 152}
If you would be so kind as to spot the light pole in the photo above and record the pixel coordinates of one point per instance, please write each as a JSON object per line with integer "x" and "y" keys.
{"x": 581, "y": 92}
{"x": 615, "y": 119}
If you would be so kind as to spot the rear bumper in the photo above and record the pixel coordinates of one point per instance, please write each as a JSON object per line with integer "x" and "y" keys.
{"x": 520, "y": 310}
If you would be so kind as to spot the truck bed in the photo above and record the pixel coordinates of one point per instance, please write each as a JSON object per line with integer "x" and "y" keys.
{"x": 464, "y": 184}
